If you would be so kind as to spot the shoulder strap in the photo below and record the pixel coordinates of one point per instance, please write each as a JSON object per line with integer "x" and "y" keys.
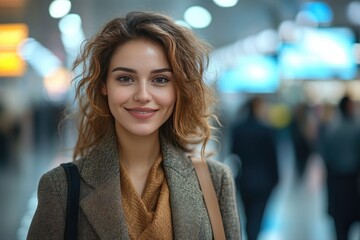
{"x": 73, "y": 178}
{"x": 211, "y": 200}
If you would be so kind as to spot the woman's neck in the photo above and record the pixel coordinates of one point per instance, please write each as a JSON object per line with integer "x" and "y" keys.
{"x": 137, "y": 155}
{"x": 138, "y": 151}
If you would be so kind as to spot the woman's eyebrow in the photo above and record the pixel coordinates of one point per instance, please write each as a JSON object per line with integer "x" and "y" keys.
{"x": 161, "y": 70}
{"x": 123, "y": 69}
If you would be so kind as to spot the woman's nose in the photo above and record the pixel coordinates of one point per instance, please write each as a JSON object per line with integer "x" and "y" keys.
{"x": 142, "y": 93}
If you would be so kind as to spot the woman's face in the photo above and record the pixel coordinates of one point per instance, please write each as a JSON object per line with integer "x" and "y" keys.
{"x": 140, "y": 87}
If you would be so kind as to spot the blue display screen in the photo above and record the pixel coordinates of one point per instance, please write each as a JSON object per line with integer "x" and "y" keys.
{"x": 253, "y": 74}
{"x": 319, "y": 54}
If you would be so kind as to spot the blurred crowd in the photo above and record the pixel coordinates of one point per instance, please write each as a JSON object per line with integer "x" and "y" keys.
{"x": 330, "y": 132}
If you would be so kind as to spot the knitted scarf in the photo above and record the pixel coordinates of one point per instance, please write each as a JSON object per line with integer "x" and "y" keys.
{"x": 148, "y": 216}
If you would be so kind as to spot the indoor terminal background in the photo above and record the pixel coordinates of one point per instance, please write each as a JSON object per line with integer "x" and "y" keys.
{"x": 290, "y": 52}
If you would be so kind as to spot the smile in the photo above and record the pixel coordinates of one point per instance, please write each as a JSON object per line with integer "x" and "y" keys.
{"x": 141, "y": 113}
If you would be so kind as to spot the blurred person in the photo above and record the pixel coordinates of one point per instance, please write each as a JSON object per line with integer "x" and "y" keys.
{"x": 4, "y": 138}
{"x": 10, "y": 134}
{"x": 340, "y": 148}
{"x": 326, "y": 118}
{"x": 4, "y": 148}
{"x": 46, "y": 119}
{"x": 255, "y": 144}
{"x": 302, "y": 137}
{"x": 143, "y": 106}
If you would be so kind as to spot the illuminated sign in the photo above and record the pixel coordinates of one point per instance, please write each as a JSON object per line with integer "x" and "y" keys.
{"x": 320, "y": 54}
{"x": 11, "y": 35}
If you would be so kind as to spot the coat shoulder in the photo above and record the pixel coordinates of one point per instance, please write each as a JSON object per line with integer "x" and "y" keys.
{"x": 58, "y": 173}
{"x": 56, "y": 179}
{"x": 221, "y": 175}
{"x": 219, "y": 168}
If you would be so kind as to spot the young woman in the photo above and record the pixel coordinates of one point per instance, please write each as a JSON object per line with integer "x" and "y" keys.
{"x": 143, "y": 106}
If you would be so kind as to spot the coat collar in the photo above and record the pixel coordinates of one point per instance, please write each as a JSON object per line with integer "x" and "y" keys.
{"x": 103, "y": 208}
{"x": 102, "y": 163}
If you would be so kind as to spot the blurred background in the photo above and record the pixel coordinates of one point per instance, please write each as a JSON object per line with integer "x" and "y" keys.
{"x": 280, "y": 66}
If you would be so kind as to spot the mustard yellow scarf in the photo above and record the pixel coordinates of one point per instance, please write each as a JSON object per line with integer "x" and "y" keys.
{"x": 149, "y": 216}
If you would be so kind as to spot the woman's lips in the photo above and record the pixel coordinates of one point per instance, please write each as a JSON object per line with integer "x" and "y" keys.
{"x": 141, "y": 113}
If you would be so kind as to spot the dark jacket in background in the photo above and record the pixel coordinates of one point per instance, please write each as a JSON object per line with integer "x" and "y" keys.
{"x": 254, "y": 143}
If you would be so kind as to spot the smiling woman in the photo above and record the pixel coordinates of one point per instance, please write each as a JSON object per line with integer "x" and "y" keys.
{"x": 143, "y": 108}
{"x": 140, "y": 88}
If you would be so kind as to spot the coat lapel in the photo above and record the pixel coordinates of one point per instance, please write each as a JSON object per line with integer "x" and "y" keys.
{"x": 104, "y": 212}
{"x": 189, "y": 215}
{"x": 102, "y": 206}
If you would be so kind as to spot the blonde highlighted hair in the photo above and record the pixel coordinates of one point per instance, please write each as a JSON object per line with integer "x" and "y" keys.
{"x": 189, "y": 123}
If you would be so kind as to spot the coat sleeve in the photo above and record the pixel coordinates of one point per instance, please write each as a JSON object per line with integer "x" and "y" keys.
{"x": 49, "y": 219}
{"x": 225, "y": 190}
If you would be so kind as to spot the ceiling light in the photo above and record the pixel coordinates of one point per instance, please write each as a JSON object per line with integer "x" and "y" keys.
{"x": 59, "y": 8}
{"x": 225, "y": 3}
{"x": 71, "y": 23}
{"x": 197, "y": 17}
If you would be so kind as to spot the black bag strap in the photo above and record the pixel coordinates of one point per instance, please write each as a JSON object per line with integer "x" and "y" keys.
{"x": 73, "y": 179}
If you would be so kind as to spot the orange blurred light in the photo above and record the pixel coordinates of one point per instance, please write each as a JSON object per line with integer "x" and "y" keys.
{"x": 57, "y": 83}
{"x": 11, "y": 35}
{"x": 11, "y": 64}
{"x": 12, "y": 3}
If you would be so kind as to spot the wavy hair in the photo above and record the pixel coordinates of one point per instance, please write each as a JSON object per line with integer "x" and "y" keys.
{"x": 189, "y": 123}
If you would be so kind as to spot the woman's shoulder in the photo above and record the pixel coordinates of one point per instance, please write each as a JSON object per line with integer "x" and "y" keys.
{"x": 58, "y": 172}
{"x": 222, "y": 178}
{"x": 55, "y": 178}
{"x": 218, "y": 168}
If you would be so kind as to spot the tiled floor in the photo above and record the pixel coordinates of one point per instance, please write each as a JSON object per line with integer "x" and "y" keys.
{"x": 296, "y": 211}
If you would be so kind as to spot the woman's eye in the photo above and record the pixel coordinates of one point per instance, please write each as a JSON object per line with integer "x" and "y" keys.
{"x": 160, "y": 80}
{"x": 125, "y": 79}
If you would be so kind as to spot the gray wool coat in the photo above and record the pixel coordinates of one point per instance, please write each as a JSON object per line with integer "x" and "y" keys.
{"x": 101, "y": 215}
